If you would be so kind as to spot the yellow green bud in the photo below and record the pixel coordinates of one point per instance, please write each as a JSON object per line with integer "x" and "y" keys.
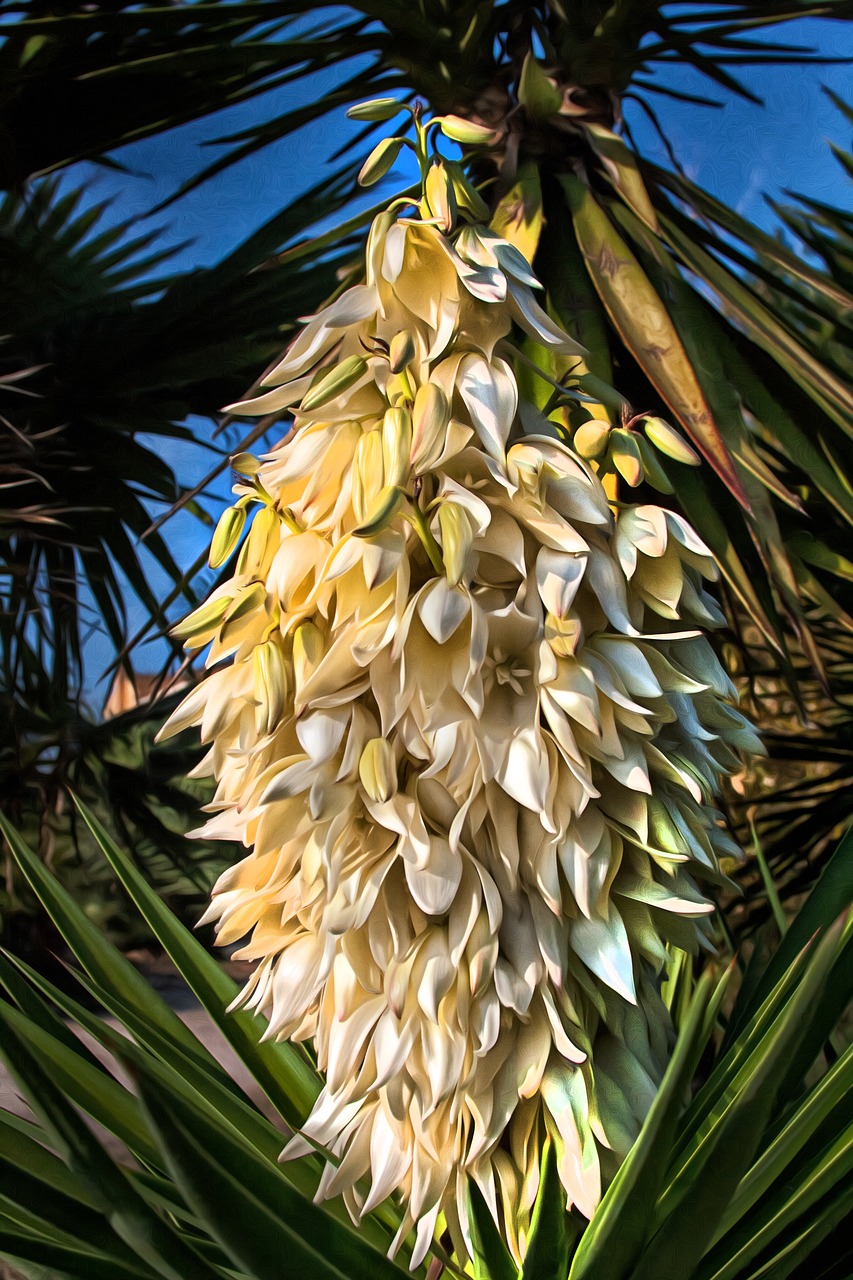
{"x": 226, "y": 536}
{"x": 261, "y": 544}
{"x": 368, "y": 474}
{"x": 591, "y": 438}
{"x": 396, "y": 444}
{"x": 203, "y": 623}
{"x": 247, "y": 601}
{"x": 655, "y": 474}
{"x": 467, "y": 196}
{"x": 387, "y": 501}
{"x": 466, "y": 132}
{"x": 377, "y": 770}
{"x": 245, "y": 464}
{"x": 671, "y": 442}
{"x": 333, "y": 383}
{"x": 440, "y": 196}
{"x": 270, "y": 679}
{"x": 379, "y": 228}
{"x": 307, "y": 652}
{"x": 377, "y": 109}
{"x": 457, "y": 537}
{"x": 379, "y": 161}
{"x": 625, "y": 455}
{"x": 430, "y": 416}
{"x": 402, "y": 351}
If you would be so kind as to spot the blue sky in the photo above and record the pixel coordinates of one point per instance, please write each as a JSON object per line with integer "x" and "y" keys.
{"x": 740, "y": 153}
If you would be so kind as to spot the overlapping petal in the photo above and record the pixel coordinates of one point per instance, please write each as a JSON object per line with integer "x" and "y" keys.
{"x": 469, "y": 731}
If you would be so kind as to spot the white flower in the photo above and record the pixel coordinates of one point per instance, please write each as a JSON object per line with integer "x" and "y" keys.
{"x": 469, "y": 733}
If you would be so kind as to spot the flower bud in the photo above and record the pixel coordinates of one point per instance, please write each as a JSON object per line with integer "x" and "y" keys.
{"x": 396, "y": 444}
{"x": 440, "y": 196}
{"x": 379, "y": 161}
{"x": 591, "y": 438}
{"x": 368, "y": 474}
{"x": 245, "y": 464}
{"x": 377, "y": 770}
{"x": 226, "y": 536}
{"x": 261, "y": 544}
{"x": 247, "y": 601}
{"x": 402, "y": 351}
{"x": 430, "y": 416}
{"x": 333, "y": 383}
{"x": 379, "y": 228}
{"x": 203, "y": 623}
{"x": 270, "y": 681}
{"x": 625, "y": 454}
{"x": 377, "y": 110}
{"x": 307, "y": 652}
{"x": 379, "y": 516}
{"x": 466, "y": 132}
{"x": 669, "y": 441}
{"x": 457, "y": 537}
{"x": 467, "y": 196}
{"x": 655, "y": 474}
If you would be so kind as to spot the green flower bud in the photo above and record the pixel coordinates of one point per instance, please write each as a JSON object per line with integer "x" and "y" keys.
{"x": 671, "y": 442}
{"x": 379, "y": 161}
{"x": 402, "y": 351}
{"x": 247, "y": 601}
{"x": 261, "y": 544}
{"x": 377, "y": 110}
{"x": 466, "y": 132}
{"x": 368, "y": 474}
{"x": 308, "y": 649}
{"x": 377, "y": 770}
{"x": 380, "y": 514}
{"x": 430, "y": 416}
{"x": 591, "y": 438}
{"x": 625, "y": 455}
{"x": 203, "y": 623}
{"x": 396, "y": 444}
{"x": 333, "y": 383}
{"x": 270, "y": 679}
{"x": 226, "y": 536}
{"x": 440, "y": 196}
{"x": 245, "y": 464}
{"x": 655, "y": 474}
{"x": 467, "y": 196}
{"x": 456, "y": 539}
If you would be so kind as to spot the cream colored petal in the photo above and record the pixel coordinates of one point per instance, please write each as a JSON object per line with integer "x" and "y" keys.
{"x": 491, "y": 398}
{"x": 442, "y": 609}
{"x": 433, "y": 886}
{"x": 558, "y": 576}
{"x": 527, "y": 312}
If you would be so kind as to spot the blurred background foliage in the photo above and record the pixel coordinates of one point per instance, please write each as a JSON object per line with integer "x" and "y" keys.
{"x": 114, "y": 361}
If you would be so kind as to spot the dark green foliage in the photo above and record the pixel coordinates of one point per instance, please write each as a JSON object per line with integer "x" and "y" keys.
{"x": 744, "y": 1167}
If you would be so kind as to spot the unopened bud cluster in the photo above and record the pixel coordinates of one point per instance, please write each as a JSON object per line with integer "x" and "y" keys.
{"x": 465, "y": 722}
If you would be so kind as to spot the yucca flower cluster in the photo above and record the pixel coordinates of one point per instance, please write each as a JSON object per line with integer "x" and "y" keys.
{"x": 464, "y": 719}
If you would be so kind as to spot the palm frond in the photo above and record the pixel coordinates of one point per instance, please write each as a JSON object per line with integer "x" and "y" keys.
{"x": 742, "y": 1168}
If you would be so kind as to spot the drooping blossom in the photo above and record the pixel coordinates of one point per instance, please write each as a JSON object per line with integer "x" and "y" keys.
{"x": 462, "y": 714}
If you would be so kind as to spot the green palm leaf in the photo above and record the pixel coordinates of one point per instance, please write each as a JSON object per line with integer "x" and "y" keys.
{"x": 747, "y": 1180}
